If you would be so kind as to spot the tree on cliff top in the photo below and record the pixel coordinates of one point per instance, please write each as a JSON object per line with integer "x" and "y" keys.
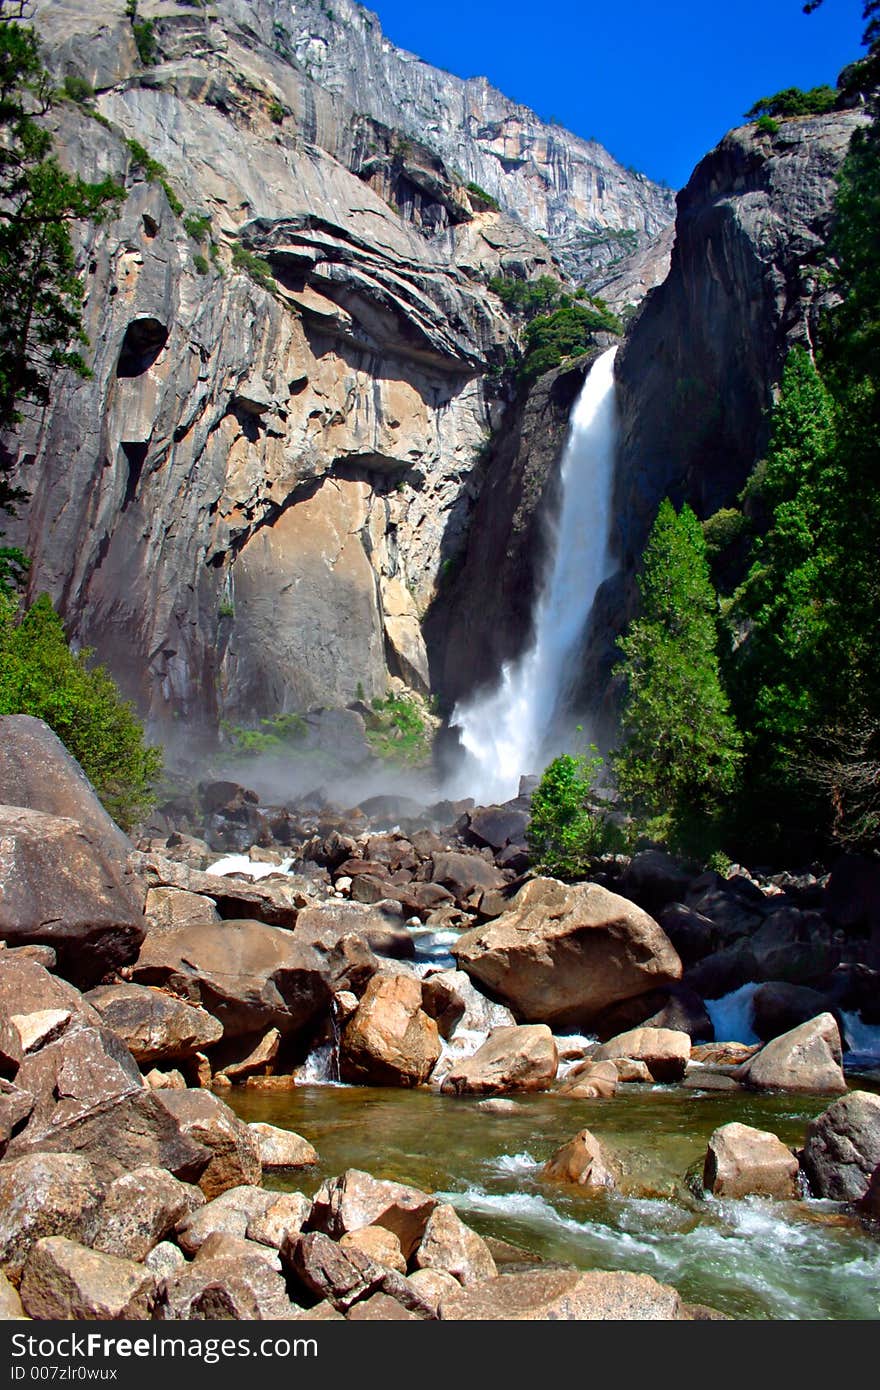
{"x": 40, "y": 285}
{"x": 681, "y": 748}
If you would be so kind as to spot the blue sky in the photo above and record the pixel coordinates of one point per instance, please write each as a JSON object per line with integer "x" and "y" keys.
{"x": 658, "y": 82}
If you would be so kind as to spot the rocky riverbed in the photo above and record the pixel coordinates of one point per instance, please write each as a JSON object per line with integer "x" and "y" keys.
{"x": 538, "y": 1116}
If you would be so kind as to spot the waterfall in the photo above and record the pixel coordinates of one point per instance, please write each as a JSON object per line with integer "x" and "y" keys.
{"x": 504, "y": 733}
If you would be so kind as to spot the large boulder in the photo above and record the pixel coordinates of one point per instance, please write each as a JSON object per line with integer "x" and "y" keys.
{"x": 741, "y": 1160}
{"x": 140, "y": 1209}
{"x": 37, "y": 771}
{"x": 55, "y": 1194}
{"x": 64, "y": 1280}
{"x": 275, "y": 900}
{"x": 654, "y": 879}
{"x": 390, "y": 1040}
{"x": 324, "y": 925}
{"x": 778, "y": 1007}
{"x": 449, "y": 1245}
{"x": 249, "y": 975}
{"x": 155, "y": 1027}
{"x": 225, "y": 1289}
{"x": 522, "y": 1058}
{"x": 233, "y": 1213}
{"x": 664, "y": 1051}
{"x": 536, "y": 1295}
{"x": 282, "y": 1148}
{"x": 808, "y": 1058}
{"x": 26, "y": 987}
{"x": 357, "y": 1199}
{"x": 564, "y": 954}
{"x": 450, "y": 997}
{"x": 64, "y": 887}
{"x": 842, "y": 1147}
{"x": 233, "y": 1147}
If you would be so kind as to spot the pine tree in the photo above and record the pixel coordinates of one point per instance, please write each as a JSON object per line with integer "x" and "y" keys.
{"x": 681, "y": 748}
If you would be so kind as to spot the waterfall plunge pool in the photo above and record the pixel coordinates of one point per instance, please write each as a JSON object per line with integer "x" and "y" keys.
{"x": 749, "y": 1258}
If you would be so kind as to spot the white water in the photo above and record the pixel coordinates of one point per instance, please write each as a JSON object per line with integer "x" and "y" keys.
{"x": 503, "y": 733}
{"x": 733, "y": 1015}
{"x": 241, "y": 864}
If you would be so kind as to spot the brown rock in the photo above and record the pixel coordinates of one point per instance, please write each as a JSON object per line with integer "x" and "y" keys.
{"x": 589, "y": 1081}
{"x": 806, "y": 1059}
{"x": 83, "y": 1071}
{"x": 725, "y": 1054}
{"x": 258, "y": 1062}
{"x": 237, "y": 1289}
{"x": 512, "y": 1059}
{"x": 177, "y": 907}
{"x": 172, "y": 1080}
{"x": 233, "y": 1213}
{"x": 234, "y": 1150}
{"x": 283, "y": 1218}
{"x": 35, "y": 1030}
{"x": 870, "y": 1202}
{"x": 220, "y": 1245}
{"x": 465, "y": 874}
{"x": 10, "y": 1301}
{"x": 629, "y": 1069}
{"x": 140, "y": 1209}
{"x": 585, "y": 1161}
{"x": 15, "y": 1107}
{"x": 568, "y": 1295}
{"x": 63, "y": 1280}
{"x": 741, "y": 1160}
{"x": 26, "y": 987}
{"x": 433, "y": 1285}
{"x": 250, "y": 976}
{"x": 11, "y": 1050}
{"x": 390, "y": 1040}
{"x": 275, "y": 901}
{"x": 564, "y": 954}
{"x": 164, "y": 1259}
{"x": 45, "y": 1195}
{"x": 449, "y": 1245}
{"x": 356, "y": 1199}
{"x": 154, "y": 1026}
{"x": 378, "y": 1243}
{"x": 282, "y": 1148}
{"x": 63, "y": 887}
{"x": 381, "y": 1307}
{"x": 842, "y": 1147}
{"x": 665, "y": 1053}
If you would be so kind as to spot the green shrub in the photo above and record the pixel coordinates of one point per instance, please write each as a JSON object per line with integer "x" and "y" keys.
{"x": 722, "y": 529}
{"x": 77, "y": 88}
{"x": 484, "y": 197}
{"x": 767, "y": 125}
{"x": 276, "y": 112}
{"x": 41, "y": 676}
{"x": 201, "y": 263}
{"x": 397, "y": 730}
{"x": 154, "y": 172}
{"x": 144, "y": 32}
{"x": 258, "y": 269}
{"x": 566, "y": 332}
{"x": 526, "y": 298}
{"x": 197, "y": 226}
{"x": 794, "y": 101}
{"x": 281, "y": 733}
{"x": 565, "y": 835}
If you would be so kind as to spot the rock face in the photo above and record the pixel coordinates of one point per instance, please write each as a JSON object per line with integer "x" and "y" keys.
{"x": 697, "y": 372}
{"x": 842, "y": 1147}
{"x": 808, "y": 1058}
{"x": 563, "y": 955}
{"x": 741, "y": 1160}
{"x": 67, "y": 887}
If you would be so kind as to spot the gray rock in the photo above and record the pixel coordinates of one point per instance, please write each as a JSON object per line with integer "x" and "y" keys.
{"x": 842, "y": 1147}
{"x": 140, "y": 1209}
{"x": 45, "y": 1195}
{"x": 64, "y": 1280}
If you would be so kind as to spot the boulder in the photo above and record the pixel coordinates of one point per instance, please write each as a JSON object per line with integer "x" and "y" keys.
{"x": 741, "y": 1160}
{"x": 154, "y": 1026}
{"x": 15, "y": 1107}
{"x": 778, "y": 1007}
{"x": 27, "y": 987}
{"x": 165, "y": 1259}
{"x": 693, "y": 935}
{"x": 808, "y": 1059}
{"x": 356, "y": 1199}
{"x": 665, "y": 1052}
{"x": 233, "y": 1213}
{"x": 465, "y": 875}
{"x": 584, "y": 1160}
{"x": 282, "y": 1148}
{"x": 10, "y": 1301}
{"x": 85, "y": 1070}
{"x": 11, "y": 1050}
{"x": 324, "y": 925}
{"x": 286, "y": 1215}
{"x": 390, "y": 1040}
{"x": 233, "y": 1148}
{"x": 260, "y": 1061}
{"x": 870, "y": 1202}
{"x": 654, "y": 879}
{"x": 842, "y": 1147}
{"x": 250, "y": 976}
{"x": 63, "y": 887}
{"x": 379, "y": 1244}
{"x": 63, "y": 1280}
{"x": 45, "y": 1026}
{"x": 535, "y": 1295}
{"x": 449, "y": 1245}
{"x": 37, "y": 771}
{"x": 522, "y": 1058}
{"x": 225, "y": 1289}
{"x": 497, "y": 826}
{"x": 381, "y": 1307}
{"x": 563, "y": 954}
{"x": 140, "y": 1209}
{"x": 177, "y": 907}
{"x": 274, "y": 900}
{"x": 45, "y": 1195}
{"x": 630, "y": 1069}
{"x": 344, "y": 1275}
{"x": 724, "y": 971}
{"x": 433, "y": 1285}
{"x": 590, "y": 1080}
{"x": 222, "y": 1246}
{"x": 794, "y": 946}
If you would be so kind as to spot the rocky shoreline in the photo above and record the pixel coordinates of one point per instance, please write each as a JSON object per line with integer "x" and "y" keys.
{"x": 137, "y": 989}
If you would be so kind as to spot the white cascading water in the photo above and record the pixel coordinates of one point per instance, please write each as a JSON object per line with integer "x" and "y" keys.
{"x": 504, "y": 733}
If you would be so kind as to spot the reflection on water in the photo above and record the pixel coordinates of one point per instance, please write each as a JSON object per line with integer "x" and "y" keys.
{"x": 751, "y": 1258}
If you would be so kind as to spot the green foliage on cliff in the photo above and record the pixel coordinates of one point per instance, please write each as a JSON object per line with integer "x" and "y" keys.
{"x": 681, "y": 749}
{"x": 154, "y": 172}
{"x": 793, "y": 101}
{"x": 527, "y": 298}
{"x": 398, "y": 730}
{"x": 565, "y": 834}
{"x": 40, "y": 284}
{"x": 41, "y": 676}
{"x": 254, "y": 266}
{"x": 482, "y": 196}
{"x": 282, "y": 733}
{"x": 566, "y": 332}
